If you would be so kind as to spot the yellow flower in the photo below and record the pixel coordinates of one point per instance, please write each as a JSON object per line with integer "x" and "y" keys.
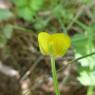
{"x": 59, "y": 42}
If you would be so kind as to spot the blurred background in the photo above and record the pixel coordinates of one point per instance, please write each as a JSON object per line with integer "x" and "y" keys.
{"x": 23, "y": 69}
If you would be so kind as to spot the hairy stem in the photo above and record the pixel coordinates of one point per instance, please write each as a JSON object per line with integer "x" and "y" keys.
{"x": 54, "y": 74}
{"x": 90, "y": 90}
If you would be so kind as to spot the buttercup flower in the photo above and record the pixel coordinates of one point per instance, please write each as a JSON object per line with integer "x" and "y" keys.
{"x": 54, "y": 45}
{"x": 59, "y": 42}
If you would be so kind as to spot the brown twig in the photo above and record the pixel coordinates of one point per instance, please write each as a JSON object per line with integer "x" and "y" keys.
{"x": 81, "y": 10}
{"x": 30, "y": 70}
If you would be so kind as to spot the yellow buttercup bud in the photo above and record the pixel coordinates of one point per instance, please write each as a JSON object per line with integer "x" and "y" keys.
{"x": 59, "y": 42}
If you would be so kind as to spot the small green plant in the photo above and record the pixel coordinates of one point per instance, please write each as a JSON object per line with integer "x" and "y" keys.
{"x": 83, "y": 45}
{"x": 26, "y": 9}
{"x": 3, "y": 16}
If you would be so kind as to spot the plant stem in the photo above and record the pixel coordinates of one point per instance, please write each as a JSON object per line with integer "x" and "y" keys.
{"x": 54, "y": 74}
{"x": 21, "y": 28}
{"x": 90, "y": 90}
{"x": 77, "y": 59}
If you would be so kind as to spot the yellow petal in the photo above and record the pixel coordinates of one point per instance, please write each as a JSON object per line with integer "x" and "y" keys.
{"x": 43, "y": 39}
{"x": 61, "y": 43}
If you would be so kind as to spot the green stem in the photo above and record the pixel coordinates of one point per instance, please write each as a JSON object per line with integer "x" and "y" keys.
{"x": 77, "y": 59}
{"x": 90, "y": 90}
{"x": 54, "y": 74}
{"x": 21, "y": 28}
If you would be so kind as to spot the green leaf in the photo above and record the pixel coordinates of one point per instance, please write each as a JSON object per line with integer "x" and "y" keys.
{"x": 35, "y": 5}
{"x": 41, "y": 24}
{"x": 84, "y": 45}
{"x": 20, "y": 3}
{"x": 5, "y": 14}
{"x": 26, "y": 13}
{"x": 80, "y": 42}
{"x": 87, "y": 78}
{"x": 7, "y": 31}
